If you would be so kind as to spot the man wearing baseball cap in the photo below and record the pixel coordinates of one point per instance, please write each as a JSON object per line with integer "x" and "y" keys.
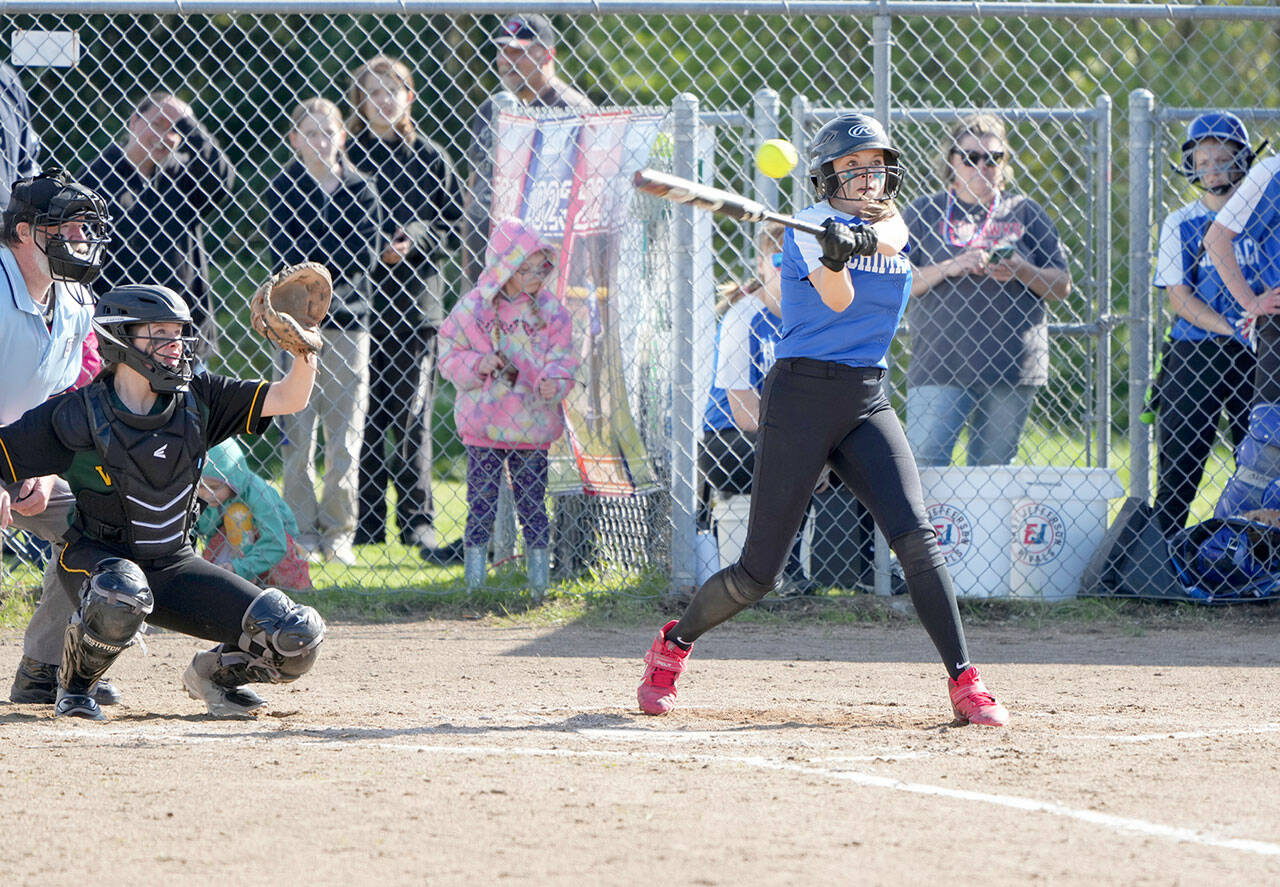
{"x": 526, "y": 66}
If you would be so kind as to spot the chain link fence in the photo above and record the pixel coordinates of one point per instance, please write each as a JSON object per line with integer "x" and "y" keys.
{"x": 1056, "y": 76}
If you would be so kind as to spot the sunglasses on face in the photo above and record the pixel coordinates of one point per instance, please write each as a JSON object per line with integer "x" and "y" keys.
{"x": 536, "y": 269}
{"x": 976, "y": 158}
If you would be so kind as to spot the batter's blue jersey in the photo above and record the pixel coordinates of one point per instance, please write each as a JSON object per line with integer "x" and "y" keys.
{"x": 858, "y": 336}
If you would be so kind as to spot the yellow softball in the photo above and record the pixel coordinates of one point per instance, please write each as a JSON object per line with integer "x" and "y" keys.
{"x": 776, "y": 158}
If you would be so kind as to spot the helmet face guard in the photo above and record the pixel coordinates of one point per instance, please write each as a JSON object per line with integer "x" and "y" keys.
{"x": 50, "y": 201}
{"x": 1228, "y": 129}
{"x": 846, "y": 135}
{"x": 117, "y": 319}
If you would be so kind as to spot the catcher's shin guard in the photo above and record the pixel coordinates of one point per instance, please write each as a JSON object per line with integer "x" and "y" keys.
{"x": 114, "y": 602}
{"x": 280, "y": 643}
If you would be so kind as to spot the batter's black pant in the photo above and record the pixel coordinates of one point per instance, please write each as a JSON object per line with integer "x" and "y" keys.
{"x": 813, "y": 412}
{"x": 1198, "y": 382}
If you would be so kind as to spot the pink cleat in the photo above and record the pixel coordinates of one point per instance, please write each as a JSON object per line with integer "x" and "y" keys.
{"x": 973, "y": 704}
{"x": 663, "y": 664}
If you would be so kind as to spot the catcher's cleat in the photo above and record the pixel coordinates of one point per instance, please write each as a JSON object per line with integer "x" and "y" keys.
{"x": 972, "y": 703}
{"x": 222, "y": 702}
{"x": 36, "y": 683}
{"x": 664, "y": 664}
{"x": 77, "y": 705}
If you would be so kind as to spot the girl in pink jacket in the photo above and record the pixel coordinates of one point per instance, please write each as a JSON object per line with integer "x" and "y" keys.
{"x": 507, "y": 348}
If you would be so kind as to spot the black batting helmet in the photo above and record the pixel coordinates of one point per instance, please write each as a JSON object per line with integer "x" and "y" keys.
{"x": 51, "y": 200}
{"x": 125, "y": 307}
{"x": 845, "y": 135}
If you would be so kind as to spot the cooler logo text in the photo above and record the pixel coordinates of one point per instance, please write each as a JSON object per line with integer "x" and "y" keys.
{"x": 1038, "y": 534}
{"x": 955, "y": 531}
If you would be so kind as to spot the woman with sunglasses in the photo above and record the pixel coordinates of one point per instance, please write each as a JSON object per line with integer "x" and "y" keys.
{"x": 986, "y": 262}
{"x": 823, "y": 403}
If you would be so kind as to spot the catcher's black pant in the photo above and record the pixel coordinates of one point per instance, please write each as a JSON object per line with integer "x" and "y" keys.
{"x": 1198, "y": 382}
{"x": 191, "y": 595}
{"x": 397, "y": 433}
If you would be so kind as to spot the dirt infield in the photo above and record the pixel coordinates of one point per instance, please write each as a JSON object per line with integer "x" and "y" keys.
{"x": 468, "y": 753}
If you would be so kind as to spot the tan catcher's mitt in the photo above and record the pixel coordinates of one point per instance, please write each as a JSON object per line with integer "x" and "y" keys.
{"x": 288, "y": 308}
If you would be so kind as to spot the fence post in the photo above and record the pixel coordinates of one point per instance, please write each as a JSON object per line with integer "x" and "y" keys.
{"x": 504, "y": 520}
{"x": 881, "y": 66}
{"x": 1141, "y": 112}
{"x": 766, "y": 108}
{"x": 1102, "y": 277}
{"x": 800, "y": 110}
{"x": 684, "y": 424}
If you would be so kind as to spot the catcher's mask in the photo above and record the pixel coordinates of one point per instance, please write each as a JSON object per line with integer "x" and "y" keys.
{"x": 123, "y": 313}
{"x": 845, "y": 135}
{"x": 51, "y": 200}
{"x": 1228, "y": 129}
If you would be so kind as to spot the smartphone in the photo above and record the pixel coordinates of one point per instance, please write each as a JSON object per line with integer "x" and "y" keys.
{"x": 1002, "y": 251}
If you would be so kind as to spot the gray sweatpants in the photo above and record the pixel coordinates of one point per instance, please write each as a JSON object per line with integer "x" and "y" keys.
{"x": 43, "y": 640}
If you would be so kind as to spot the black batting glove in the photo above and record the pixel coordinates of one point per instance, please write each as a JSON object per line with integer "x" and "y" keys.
{"x": 838, "y": 244}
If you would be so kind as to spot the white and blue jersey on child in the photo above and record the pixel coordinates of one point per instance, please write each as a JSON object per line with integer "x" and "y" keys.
{"x": 746, "y": 341}
{"x": 860, "y": 335}
{"x": 1182, "y": 260}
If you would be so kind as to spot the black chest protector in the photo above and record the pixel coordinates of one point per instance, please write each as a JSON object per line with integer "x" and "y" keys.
{"x": 152, "y": 464}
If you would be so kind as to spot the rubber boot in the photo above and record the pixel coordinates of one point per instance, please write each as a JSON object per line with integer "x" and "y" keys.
{"x": 474, "y": 558}
{"x": 539, "y": 564}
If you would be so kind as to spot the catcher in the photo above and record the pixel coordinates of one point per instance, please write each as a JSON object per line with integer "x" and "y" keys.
{"x": 131, "y": 445}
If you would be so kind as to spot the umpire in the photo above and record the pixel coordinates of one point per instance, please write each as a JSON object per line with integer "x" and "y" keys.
{"x": 55, "y": 233}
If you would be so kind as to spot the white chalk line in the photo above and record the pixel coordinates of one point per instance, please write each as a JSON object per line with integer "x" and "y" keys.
{"x": 870, "y": 780}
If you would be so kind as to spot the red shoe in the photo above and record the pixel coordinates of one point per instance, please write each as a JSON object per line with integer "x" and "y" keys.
{"x": 973, "y": 704}
{"x": 663, "y": 664}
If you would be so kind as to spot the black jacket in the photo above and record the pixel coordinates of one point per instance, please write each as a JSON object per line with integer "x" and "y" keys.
{"x": 421, "y": 194}
{"x": 159, "y": 230}
{"x": 342, "y": 231}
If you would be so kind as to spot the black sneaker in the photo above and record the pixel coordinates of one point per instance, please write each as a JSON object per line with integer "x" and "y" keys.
{"x": 76, "y": 705}
{"x": 450, "y": 553}
{"x": 36, "y": 683}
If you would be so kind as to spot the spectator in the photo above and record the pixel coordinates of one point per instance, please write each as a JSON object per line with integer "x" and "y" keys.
{"x": 162, "y": 181}
{"x": 55, "y": 233}
{"x": 507, "y": 348}
{"x": 1208, "y": 364}
{"x": 986, "y": 262}
{"x": 323, "y": 210}
{"x": 526, "y": 65}
{"x": 246, "y": 526}
{"x": 422, "y": 200}
{"x": 19, "y": 145}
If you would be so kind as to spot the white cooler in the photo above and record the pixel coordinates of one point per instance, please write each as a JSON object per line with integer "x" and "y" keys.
{"x": 1018, "y": 531}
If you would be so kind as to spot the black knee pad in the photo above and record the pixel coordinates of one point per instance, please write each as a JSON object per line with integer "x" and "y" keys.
{"x": 917, "y": 552}
{"x": 280, "y": 643}
{"x": 114, "y": 602}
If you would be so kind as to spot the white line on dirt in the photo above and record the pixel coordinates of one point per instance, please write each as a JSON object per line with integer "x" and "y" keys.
{"x": 111, "y": 735}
